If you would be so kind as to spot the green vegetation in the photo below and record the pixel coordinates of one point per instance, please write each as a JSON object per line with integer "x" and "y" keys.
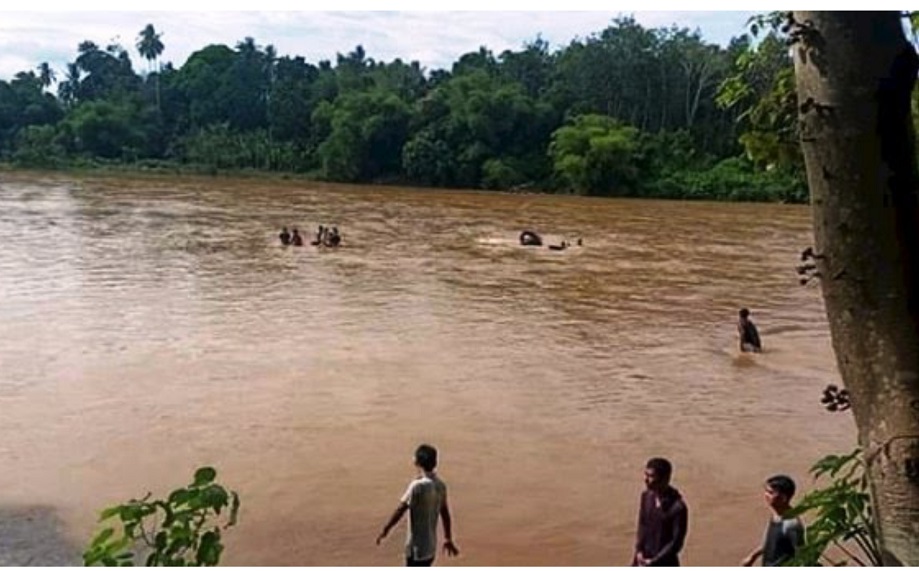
{"x": 841, "y": 515}
{"x": 178, "y": 531}
{"x": 628, "y": 111}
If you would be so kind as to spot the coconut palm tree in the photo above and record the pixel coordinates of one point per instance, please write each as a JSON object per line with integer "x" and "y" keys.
{"x": 149, "y": 46}
{"x": 45, "y": 74}
{"x": 67, "y": 89}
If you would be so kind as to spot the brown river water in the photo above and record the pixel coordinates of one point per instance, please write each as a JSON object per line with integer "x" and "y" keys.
{"x": 151, "y": 325}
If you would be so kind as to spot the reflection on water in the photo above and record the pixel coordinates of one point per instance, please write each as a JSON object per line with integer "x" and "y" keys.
{"x": 149, "y": 326}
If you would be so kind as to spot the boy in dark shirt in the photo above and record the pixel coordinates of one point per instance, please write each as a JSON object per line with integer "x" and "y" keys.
{"x": 663, "y": 519}
{"x": 749, "y": 336}
{"x": 783, "y": 534}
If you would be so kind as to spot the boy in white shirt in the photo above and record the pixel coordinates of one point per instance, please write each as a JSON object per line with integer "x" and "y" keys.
{"x": 425, "y": 500}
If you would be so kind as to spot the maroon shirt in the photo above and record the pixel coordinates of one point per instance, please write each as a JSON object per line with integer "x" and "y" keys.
{"x": 662, "y": 530}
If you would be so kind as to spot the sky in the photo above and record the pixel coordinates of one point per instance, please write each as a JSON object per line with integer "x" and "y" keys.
{"x": 404, "y": 30}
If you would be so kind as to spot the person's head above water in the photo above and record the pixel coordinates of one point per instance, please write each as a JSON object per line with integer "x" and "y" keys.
{"x": 744, "y": 313}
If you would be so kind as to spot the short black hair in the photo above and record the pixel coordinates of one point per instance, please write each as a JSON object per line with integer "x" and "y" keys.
{"x": 426, "y": 457}
{"x": 661, "y": 466}
{"x": 744, "y": 312}
{"x": 782, "y": 484}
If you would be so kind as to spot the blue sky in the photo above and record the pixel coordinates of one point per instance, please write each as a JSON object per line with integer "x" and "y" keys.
{"x": 434, "y": 38}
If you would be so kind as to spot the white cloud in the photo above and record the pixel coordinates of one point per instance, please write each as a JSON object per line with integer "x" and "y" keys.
{"x": 434, "y": 38}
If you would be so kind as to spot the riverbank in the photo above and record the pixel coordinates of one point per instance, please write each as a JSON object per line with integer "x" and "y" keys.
{"x": 34, "y": 536}
{"x": 728, "y": 181}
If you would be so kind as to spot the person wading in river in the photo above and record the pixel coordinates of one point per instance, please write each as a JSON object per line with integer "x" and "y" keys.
{"x": 749, "y": 336}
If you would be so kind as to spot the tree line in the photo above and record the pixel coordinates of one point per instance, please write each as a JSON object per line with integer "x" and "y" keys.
{"x": 627, "y": 111}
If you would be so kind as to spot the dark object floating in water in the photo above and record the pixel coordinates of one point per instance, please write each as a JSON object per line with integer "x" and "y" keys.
{"x": 530, "y": 238}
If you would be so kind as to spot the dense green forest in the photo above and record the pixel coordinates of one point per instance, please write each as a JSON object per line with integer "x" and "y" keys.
{"x": 627, "y": 111}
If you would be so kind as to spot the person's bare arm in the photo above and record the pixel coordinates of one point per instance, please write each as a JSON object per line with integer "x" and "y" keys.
{"x": 449, "y": 547}
{"x": 396, "y": 516}
{"x": 751, "y": 559}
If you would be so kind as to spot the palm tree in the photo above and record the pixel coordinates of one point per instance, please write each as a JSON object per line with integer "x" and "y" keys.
{"x": 67, "y": 89}
{"x": 149, "y": 46}
{"x": 45, "y": 74}
{"x": 271, "y": 56}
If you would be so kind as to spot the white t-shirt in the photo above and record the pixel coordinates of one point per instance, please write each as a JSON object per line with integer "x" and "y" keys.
{"x": 425, "y": 497}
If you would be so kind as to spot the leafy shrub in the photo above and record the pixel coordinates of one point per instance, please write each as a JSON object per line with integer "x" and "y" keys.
{"x": 842, "y": 514}
{"x": 731, "y": 179}
{"x": 178, "y": 531}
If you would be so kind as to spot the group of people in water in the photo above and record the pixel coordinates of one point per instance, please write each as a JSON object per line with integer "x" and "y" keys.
{"x": 325, "y": 236}
{"x": 749, "y": 335}
{"x": 530, "y": 238}
{"x": 663, "y": 514}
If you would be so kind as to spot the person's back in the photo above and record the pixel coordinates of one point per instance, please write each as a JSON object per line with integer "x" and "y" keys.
{"x": 425, "y": 498}
{"x": 296, "y": 239}
{"x": 284, "y": 236}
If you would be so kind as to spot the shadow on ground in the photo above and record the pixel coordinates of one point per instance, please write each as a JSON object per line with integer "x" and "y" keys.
{"x": 34, "y": 535}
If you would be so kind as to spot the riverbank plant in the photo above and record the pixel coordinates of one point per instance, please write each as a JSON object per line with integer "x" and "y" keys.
{"x": 182, "y": 530}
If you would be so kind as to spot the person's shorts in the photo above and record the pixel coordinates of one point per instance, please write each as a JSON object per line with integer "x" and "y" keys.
{"x": 409, "y": 562}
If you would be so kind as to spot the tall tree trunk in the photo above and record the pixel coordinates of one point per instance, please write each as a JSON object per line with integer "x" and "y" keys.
{"x": 855, "y": 72}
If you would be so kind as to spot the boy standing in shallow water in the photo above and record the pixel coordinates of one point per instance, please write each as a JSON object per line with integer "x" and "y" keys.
{"x": 783, "y": 534}
{"x": 425, "y": 500}
{"x": 749, "y": 336}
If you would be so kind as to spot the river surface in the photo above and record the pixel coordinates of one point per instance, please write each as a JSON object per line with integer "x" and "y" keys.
{"x": 151, "y": 325}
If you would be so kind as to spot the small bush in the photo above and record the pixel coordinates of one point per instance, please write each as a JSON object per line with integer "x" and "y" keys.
{"x": 178, "y": 531}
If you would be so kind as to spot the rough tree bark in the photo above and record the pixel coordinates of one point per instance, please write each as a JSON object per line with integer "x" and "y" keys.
{"x": 855, "y": 72}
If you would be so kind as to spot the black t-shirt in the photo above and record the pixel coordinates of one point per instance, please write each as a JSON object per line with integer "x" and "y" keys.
{"x": 783, "y": 536}
{"x": 749, "y": 335}
{"x": 662, "y": 528}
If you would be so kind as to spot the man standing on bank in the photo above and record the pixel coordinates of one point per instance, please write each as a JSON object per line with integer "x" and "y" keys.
{"x": 663, "y": 519}
{"x": 425, "y": 500}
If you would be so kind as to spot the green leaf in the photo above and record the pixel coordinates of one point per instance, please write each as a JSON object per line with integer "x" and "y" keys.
{"x": 102, "y": 537}
{"x": 209, "y": 550}
{"x": 179, "y": 497}
{"x": 131, "y": 512}
{"x": 214, "y": 497}
{"x": 92, "y": 556}
{"x": 205, "y": 476}
{"x": 161, "y": 539}
{"x": 109, "y": 512}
